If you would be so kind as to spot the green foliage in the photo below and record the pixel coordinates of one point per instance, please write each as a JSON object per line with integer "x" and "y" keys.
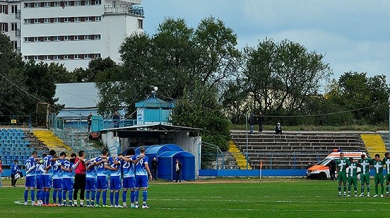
{"x": 199, "y": 108}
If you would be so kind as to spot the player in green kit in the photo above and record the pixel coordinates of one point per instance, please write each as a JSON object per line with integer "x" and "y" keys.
{"x": 386, "y": 162}
{"x": 364, "y": 163}
{"x": 341, "y": 166}
{"x": 378, "y": 178}
{"x": 352, "y": 176}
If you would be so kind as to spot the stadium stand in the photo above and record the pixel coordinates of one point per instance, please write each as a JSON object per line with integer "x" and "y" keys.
{"x": 14, "y": 146}
{"x": 293, "y": 150}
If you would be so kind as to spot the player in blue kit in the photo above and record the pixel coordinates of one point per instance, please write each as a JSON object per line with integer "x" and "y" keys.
{"x": 102, "y": 177}
{"x": 115, "y": 181}
{"x": 30, "y": 178}
{"x": 39, "y": 170}
{"x": 48, "y": 162}
{"x": 141, "y": 177}
{"x": 57, "y": 179}
{"x": 67, "y": 167}
{"x": 128, "y": 177}
{"x": 91, "y": 176}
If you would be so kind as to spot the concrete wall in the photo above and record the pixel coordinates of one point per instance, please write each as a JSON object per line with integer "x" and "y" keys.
{"x": 191, "y": 145}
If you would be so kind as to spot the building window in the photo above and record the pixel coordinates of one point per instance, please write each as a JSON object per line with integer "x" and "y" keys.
{"x": 47, "y": 20}
{"x": 14, "y": 9}
{"x": 57, "y": 4}
{"x": 47, "y": 4}
{"x": 47, "y": 57}
{"x": 87, "y": 19}
{"x": 98, "y": 18}
{"x": 140, "y": 24}
{"x": 66, "y": 57}
{"x": 66, "y": 38}
{"x": 76, "y": 19}
{"x": 76, "y": 56}
{"x": 36, "y": 58}
{"x": 36, "y": 39}
{"x": 98, "y": 2}
{"x": 76, "y": 37}
{"x": 87, "y": 56}
{"x": 96, "y": 37}
{"x": 56, "y": 38}
{"x": 46, "y": 39}
{"x": 14, "y": 26}
{"x": 27, "y": 21}
{"x": 78, "y": 3}
{"x": 87, "y": 2}
{"x": 56, "y": 20}
{"x": 66, "y": 19}
{"x": 87, "y": 37}
{"x": 36, "y": 5}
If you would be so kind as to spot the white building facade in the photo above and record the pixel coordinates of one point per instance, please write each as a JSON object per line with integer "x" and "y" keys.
{"x": 10, "y": 21}
{"x": 76, "y": 31}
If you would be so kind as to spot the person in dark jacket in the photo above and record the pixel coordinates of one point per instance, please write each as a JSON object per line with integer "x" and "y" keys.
{"x": 154, "y": 168}
{"x": 178, "y": 168}
{"x": 252, "y": 123}
{"x": 278, "y": 129}
{"x": 260, "y": 119}
{"x": 14, "y": 170}
{"x": 332, "y": 169}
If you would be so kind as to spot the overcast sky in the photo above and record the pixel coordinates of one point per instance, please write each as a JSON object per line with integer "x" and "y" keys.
{"x": 352, "y": 34}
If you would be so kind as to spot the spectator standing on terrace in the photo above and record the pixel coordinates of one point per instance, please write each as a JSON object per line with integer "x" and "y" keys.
{"x": 89, "y": 120}
{"x": 260, "y": 119}
{"x": 14, "y": 170}
{"x": 278, "y": 129}
{"x": 252, "y": 123}
{"x": 115, "y": 119}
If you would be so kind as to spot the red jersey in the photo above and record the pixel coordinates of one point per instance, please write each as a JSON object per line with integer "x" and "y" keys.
{"x": 80, "y": 169}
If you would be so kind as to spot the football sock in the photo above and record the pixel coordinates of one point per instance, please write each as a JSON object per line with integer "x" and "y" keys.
{"x": 38, "y": 195}
{"x": 124, "y": 196}
{"x": 87, "y": 195}
{"x": 116, "y": 198}
{"x": 32, "y": 195}
{"x": 25, "y": 195}
{"x": 382, "y": 189}
{"x": 339, "y": 188}
{"x": 132, "y": 196}
{"x": 362, "y": 189}
{"x": 104, "y": 198}
{"x": 55, "y": 196}
{"x": 47, "y": 196}
{"x": 93, "y": 194}
{"x": 368, "y": 188}
{"x": 97, "y": 197}
{"x": 112, "y": 198}
{"x": 60, "y": 196}
{"x": 144, "y": 195}
{"x": 70, "y": 195}
{"x": 136, "y": 192}
{"x": 64, "y": 196}
{"x": 376, "y": 189}
{"x": 387, "y": 188}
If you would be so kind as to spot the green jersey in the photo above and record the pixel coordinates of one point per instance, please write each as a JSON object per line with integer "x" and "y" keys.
{"x": 352, "y": 169}
{"x": 342, "y": 164}
{"x": 378, "y": 166}
{"x": 386, "y": 162}
{"x": 365, "y": 165}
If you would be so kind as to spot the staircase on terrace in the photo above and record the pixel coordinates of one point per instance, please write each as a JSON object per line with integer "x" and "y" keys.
{"x": 293, "y": 150}
{"x": 52, "y": 141}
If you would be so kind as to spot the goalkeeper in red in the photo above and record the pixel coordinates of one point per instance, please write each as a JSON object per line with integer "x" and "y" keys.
{"x": 341, "y": 166}
{"x": 352, "y": 176}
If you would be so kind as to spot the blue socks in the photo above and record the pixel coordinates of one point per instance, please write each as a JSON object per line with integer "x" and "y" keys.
{"x": 116, "y": 198}
{"x": 136, "y": 193}
{"x": 104, "y": 197}
{"x": 124, "y": 197}
{"x": 112, "y": 198}
{"x": 132, "y": 196}
{"x": 144, "y": 195}
{"x": 97, "y": 197}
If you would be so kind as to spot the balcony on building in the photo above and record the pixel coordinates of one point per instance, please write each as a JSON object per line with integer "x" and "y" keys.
{"x": 17, "y": 32}
{"x": 18, "y": 14}
{"x": 134, "y": 9}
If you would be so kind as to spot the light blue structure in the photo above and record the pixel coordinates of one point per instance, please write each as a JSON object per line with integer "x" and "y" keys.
{"x": 153, "y": 110}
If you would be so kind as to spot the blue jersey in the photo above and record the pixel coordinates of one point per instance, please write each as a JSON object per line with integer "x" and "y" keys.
{"x": 47, "y": 162}
{"x": 128, "y": 169}
{"x": 57, "y": 171}
{"x": 116, "y": 166}
{"x": 30, "y": 165}
{"x": 67, "y": 165}
{"x": 101, "y": 170}
{"x": 14, "y": 168}
{"x": 39, "y": 169}
{"x": 140, "y": 166}
{"x": 91, "y": 172}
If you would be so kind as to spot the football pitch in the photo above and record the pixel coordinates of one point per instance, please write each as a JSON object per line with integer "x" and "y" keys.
{"x": 219, "y": 198}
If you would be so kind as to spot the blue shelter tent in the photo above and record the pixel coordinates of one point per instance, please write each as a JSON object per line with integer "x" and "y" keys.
{"x": 156, "y": 150}
{"x": 167, "y": 160}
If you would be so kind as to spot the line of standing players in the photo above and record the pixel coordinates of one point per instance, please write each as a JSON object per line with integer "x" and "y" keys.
{"x": 66, "y": 176}
{"x": 347, "y": 172}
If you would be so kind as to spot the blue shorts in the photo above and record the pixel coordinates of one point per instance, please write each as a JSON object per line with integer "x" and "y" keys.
{"x": 115, "y": 183}
{"x": 57, "y": 183}
{"x": 128, "y": 182}
{"x": 47, "y": 181}
{"x": 30, "y": 182}
{"x": 141, "y": 181}
{"x": 91, "y": 184}
{"x": 67, "y": 184}
{"x": 102, "y": 182}
{"x": 39, "y": 183}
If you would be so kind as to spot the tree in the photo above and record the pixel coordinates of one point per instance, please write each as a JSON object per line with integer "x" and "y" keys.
{"x": 12, "y": 87}
{"x": 365, "y": 96}
{"x": 281, "y": 77}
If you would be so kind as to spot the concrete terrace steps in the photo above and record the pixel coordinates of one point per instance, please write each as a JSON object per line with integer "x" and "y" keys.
{"x": 293, "y": 149}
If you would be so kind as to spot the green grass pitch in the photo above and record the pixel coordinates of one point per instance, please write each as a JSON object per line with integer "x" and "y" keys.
{"x": 219, "y": 198}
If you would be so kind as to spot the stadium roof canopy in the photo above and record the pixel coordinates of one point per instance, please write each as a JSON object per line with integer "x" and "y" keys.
{"x": 77, "y": 95}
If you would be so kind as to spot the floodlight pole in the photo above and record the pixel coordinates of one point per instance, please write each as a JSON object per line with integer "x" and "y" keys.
{"x": 247, "y": 140}
{"x": 388, "y": 141}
